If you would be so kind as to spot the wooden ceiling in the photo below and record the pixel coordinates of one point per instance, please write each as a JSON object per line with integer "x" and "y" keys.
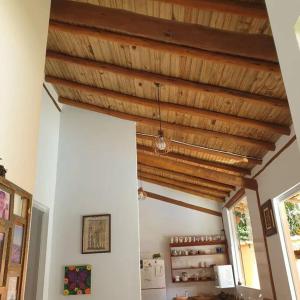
{"x": 223, "y": 102}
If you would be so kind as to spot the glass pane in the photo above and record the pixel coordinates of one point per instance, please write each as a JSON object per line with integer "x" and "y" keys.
{"x": 18, "y": 205}
{"x": 12, "y": 288}
{"x": 4, "y": 205}
{"x": 245, "y": 246}
{"x": 17, "y": 245}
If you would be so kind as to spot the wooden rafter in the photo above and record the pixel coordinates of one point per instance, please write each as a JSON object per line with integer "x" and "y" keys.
{"x": 233, "y": 158}
{"x": 200, "y": 37}
{"x": 171, "y": 81}
{"x": 181, "y": 189}
{"x": 198, "y": 162}
{"x": 183, "y": 109}
{"x": 254, "y": 10}
{"x": 172, "y": 126}
{"x": 183, "y": 204}
{"x": 185, "y": 178}
{"x": 197, "y": 171}
{"x": 180, "y": 184}
{"x": 135, "y": 42}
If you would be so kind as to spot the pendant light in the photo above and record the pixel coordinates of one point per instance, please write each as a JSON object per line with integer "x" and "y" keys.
{"x": 161, "y": 144}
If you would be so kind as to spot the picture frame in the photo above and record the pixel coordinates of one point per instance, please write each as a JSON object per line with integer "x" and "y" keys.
{"x": 268, "y": 220}
{"x": 96, "y": 234}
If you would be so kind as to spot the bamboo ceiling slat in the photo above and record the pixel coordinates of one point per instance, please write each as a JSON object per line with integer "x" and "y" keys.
{"x": 214, "y": 19}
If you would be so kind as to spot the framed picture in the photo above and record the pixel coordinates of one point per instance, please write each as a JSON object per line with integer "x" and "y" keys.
{"x": 268, "y": 218}
{"x": 96, "y": 234}
{"x": 16, "y": 256}
{"x": 77, "y": 280}
{"x": 4, "y": 204}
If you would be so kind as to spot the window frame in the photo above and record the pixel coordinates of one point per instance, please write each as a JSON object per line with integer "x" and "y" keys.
{"x": 236, "y": 257}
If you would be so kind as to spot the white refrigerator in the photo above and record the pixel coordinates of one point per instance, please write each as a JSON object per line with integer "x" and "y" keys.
{"x": 153, "y": 279}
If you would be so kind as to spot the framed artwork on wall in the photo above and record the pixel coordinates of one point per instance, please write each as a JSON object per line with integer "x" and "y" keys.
{"x": 4, "y": 204}
{"x": 268, "y": 218}
{"x": 96, "y": 234}
{"x": 77, "y": 280}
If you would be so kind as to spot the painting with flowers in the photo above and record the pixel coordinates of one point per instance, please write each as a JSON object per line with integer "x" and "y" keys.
{"x": 77, "y": 280}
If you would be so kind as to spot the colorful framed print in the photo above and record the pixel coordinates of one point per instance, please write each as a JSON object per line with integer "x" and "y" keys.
{"x": 268, "y": 218}
{"x": 4, "y": 204}
{"x": 77, "y": 280}
{"x": 96, "y": 234}
{"x": 16, "y": 256}
{"x": 12, "y": 288}
{"x": 18, "y": 205}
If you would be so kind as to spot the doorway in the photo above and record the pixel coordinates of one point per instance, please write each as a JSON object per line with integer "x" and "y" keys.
{"x": 34, "y": 254}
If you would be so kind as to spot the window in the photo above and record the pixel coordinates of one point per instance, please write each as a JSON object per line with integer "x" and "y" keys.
{"x": 287, "y": 213}
{"x": 245, "y": 265}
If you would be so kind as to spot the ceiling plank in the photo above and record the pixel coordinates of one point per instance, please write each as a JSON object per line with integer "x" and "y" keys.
{"x": 183, "y": 204}
{"x": 181, "y": 189}
{"x": 253, "y": 10}
{"x": 135, "y": 42}
{"x": 192, "y": 187}
{"x": 200, "y": 162}
{"x": 192, "y": 35}
{"x": 232, "y": 158}
{"x": 167, "y": 106}
{"x": 172, "y": 126}
{"x": 203, "y": 88}
{"x": 185, "y": 178}
{"x": 197, "y": 172}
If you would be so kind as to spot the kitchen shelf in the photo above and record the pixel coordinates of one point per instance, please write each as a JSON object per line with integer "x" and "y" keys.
{"x": 192, "y": 255}
{"x": 192, "y": 268}
{"x": 191, "y": 280}
{"x": 191, "y": 244}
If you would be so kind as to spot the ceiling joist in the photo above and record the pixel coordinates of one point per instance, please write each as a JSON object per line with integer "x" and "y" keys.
{"x": 172, "y": 126}
{"x": 182, "y": 51}
{"x": 200, "y": 37}
{"x": 185, "y": 178}
{"x": 232, "y": 158}
{"x": 198, "y": 162}
{"x": 180, "y": 184}
{"x": 167, "y": 106}
{"x": 233, "y": 95}
{"x": 196, "y": 171}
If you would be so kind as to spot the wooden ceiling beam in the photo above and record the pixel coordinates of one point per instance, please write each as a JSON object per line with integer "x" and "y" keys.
{"x": 192, "y": 187}
{"x": 183, "y": 204}
{"x": 172, "y": 126}
{"x": 197, "y": 171}
{"x": 135, "y": 42}
{"x": 167, "y": 106}
{"x": 232, "y": 158}
{"x": 184, "y": 178}
{"x": 233, "y": 95}
{"x": 252, "y": 10}
{"x": 184, "y": 190}
{"x": 199, "y": 162}
{"x": 169, "y": 31}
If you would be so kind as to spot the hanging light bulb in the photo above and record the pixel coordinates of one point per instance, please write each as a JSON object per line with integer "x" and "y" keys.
{"x": 161, "y": 145}
{"x": 142, "y": 195}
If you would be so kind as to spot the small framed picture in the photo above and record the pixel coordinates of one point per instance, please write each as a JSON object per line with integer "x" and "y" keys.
{"x": 268, "y": 218}
{"x": 4, "y": 204}
{"x": 96, "y": 234}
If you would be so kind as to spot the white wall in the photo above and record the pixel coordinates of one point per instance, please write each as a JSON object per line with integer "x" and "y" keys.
{"x": 45, "y": 185}
{"x": 159, "y": 221}
{"x": 97, "y": 174}
{"x": 23, "y": 38}
{"x": 283, "y": 16}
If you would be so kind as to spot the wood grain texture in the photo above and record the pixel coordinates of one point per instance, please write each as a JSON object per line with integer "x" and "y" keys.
{"x": 196, "y": 36}
{"x": 184, "y": 109}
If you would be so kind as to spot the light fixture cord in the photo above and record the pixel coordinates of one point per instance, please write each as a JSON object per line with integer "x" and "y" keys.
{"x": 158, "y": 100}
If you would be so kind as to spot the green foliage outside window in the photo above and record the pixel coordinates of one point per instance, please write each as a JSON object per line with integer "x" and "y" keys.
{"x": 293, "y": 216}
{"x": 242, "y": 226}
